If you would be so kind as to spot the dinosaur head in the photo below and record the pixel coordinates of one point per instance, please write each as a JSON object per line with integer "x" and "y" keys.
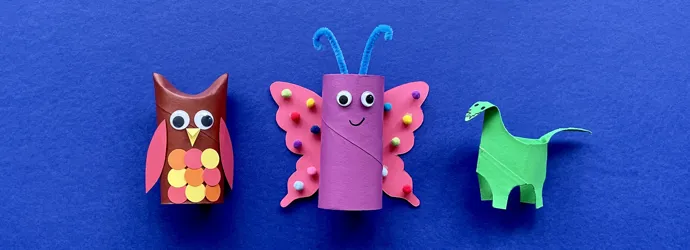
{"x": 477, "y": 108}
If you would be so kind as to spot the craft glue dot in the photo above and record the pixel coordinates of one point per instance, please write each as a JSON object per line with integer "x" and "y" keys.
{"x": 407, "y": 119}
{"x": 310, "y": 103}
{"x": 384, "y": 172}
{"x": 395, "y": 141}
{"x": 315, "y": 129}
{"x": 416, "y": 94}
{"x": 286, "y": 93}
{"x": 294, "y": 116}
{"x": 311, "y": 170}
{"x": 297, "y": 144}
{"x": 407, "y": 189}
{"x": 298, "y": 185}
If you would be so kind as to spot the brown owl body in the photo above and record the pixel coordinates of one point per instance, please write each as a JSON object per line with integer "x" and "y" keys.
{"x": 191, "y": 151}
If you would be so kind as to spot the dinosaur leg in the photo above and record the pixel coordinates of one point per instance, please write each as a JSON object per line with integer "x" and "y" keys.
{"x": 538, "y": 198}
{"x": 500, "y": 196}
{"x": 527, "y": 194}
{"x": 484, "y": 188}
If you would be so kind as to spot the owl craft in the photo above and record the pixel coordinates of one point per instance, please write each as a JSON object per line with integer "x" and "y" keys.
{"x": 349, "y": 138}
{"x": 191, "y": 149}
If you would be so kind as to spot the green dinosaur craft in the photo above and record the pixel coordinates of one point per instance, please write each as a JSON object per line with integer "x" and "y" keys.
{"x": 506, "y": 161}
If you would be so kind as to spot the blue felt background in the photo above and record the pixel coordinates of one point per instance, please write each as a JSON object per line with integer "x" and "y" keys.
{"x": 77, "y": 105}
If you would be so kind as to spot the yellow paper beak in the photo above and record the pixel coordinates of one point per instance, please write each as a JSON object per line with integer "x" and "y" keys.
{"x": 192, "y": 133}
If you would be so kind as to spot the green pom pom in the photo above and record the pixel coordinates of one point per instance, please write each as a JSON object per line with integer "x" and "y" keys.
{"x": 395, "y": 141}
{"x": 286, "y": 93}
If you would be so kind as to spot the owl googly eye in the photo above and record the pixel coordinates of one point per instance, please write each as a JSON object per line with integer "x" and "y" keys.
{"x": 179, "y": 119}
{"x": 203, "y": 119}
{"x": 344, "y": 98}
{"x": 367, "y": 99}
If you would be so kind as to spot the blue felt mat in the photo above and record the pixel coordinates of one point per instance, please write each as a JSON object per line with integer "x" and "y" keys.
{"x": 77, "y": 110}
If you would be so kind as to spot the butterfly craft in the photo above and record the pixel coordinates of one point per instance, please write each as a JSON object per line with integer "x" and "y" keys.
{"x": 350, "y": 140}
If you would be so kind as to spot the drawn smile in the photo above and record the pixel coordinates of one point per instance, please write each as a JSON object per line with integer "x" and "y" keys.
{"x": 360, "y": 122}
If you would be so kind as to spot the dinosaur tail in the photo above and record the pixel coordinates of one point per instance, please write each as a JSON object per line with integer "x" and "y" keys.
{"x": 547, "y": 137}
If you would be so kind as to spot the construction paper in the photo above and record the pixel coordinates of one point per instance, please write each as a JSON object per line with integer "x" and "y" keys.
{"x": 343, "y": 153}
{"x": 212, "y": 192}
{"x": 176, "y": 159}
{"x": 177, "y": 194}
{"x": 506, "y": 161}
{"x": 193, "y": 158}
{"x": 194, "y": 177}
{"x": 311, "y": 150}
{"x": 351, "y": 153}
{"x": 177, "y": 178}
{"x": 211, "y": 176}
{"x": 406, "y": 101}
{"x": 190, "y": 134}
{"x": 210, "y": 158}
{"x": 195, "y": 193}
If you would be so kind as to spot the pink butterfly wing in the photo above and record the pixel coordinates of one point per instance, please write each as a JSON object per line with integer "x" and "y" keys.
{"x": 299, "y": 130}
{"x": 397, "y": 182}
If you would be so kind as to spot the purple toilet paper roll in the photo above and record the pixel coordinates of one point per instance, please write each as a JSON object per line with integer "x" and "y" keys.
{"x": 351, "y": 142}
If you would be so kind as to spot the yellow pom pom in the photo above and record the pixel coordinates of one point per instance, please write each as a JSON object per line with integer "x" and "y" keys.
{"x": 310, "y": 103}
{"x": 407, "y": 119}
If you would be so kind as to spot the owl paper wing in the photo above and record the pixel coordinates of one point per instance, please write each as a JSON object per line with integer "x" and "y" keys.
{"x": 405, "y": 100}
{"x": 226, "y": 153}
{"x": 155, "y": 157}
{"x": 297, "y": 119}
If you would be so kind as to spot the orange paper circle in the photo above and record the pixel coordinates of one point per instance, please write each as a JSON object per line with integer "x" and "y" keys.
{"x": 176, "y": 159}
{"x": 194, "y": 177}
{"x": 213, "y": 193}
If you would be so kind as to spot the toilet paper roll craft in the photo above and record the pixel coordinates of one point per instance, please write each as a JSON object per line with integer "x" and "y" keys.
{"x": 506, "y": 161}
{"x": 349, "y": 138}
{"x": 191, "y": 149}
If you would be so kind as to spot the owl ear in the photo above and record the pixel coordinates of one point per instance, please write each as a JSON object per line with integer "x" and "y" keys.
{"x": 162, "y": 84}
{"x": 219, "y": 86}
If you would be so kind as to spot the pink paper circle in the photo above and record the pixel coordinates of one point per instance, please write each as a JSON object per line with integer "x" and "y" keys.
{"x": 193, "y": 158}
{"x": 212, "y": 176}
{"x": 176, "y": 195}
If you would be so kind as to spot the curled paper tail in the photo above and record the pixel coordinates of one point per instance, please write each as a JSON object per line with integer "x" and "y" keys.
{"x": 547, "y": 137}
{"x": 366, "y": 55}
{"x": 334, "y": 44}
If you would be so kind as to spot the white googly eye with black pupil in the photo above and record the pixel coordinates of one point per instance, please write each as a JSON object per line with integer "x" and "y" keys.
{"x": 367, "y": 99}
{"x": 203, "y": 119}
{"x": 344, "y": 98}
{"x": 179, "y": 119}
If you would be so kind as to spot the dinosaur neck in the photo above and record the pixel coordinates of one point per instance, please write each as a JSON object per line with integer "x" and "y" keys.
{"x": 493, "y": 122}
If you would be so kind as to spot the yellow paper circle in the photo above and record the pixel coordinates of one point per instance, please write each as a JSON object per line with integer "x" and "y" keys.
{"x": 176, "y": 178}
{"x": 195, "y": 194}
{"x": 209, "y": 158}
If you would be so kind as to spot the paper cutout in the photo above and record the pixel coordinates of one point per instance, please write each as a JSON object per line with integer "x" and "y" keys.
{"x": 176, "y": 178}
{"x": 212, "y": 176}
{"x": 212, "y": 193}
{"x": 210, "y": 158}
{"x": 344, "y": 137}
{"x": 177, "y": 195}
{"x": 189, "y": 124}
{"x": 506, "y": 161}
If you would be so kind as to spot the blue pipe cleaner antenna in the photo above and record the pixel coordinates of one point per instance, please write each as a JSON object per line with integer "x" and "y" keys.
{"x": 334, "y": 44}
{"x": 366, "y": 56}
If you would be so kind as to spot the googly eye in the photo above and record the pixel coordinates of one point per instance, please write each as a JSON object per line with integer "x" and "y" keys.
{"x": 344, "y": 98}
{"x": 179, "y": 119}
{"x": 367, "y": 99}
{"x": 203, "y": 119}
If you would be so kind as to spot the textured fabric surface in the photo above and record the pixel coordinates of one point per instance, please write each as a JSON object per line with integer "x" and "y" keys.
{"x": 77, "y": 105}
